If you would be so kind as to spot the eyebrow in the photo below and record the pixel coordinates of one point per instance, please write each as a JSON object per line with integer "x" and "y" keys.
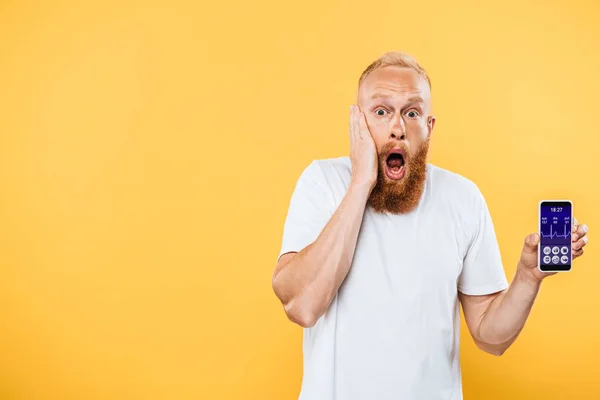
{"x": 379, "y": 95}
{"x": 413, "y": 99}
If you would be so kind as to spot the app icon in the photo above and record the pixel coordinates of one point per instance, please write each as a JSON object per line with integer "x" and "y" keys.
{"x": 555, "y": 250}
{"x": 547, "y": 259}
{"x": 547, "y": 249}
{"x": 564, "y": 259}
{"x": 564, "y": 250}
{"x": 555, "y": 260}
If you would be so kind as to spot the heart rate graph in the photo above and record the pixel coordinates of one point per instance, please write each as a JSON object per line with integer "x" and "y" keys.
{"x": 564, "y": 235}
{"x": 555, "y": 230}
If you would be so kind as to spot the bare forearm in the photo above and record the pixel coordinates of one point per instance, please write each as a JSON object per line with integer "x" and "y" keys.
{"x": 507, "y": 314}
{"x": 307, "y": 284}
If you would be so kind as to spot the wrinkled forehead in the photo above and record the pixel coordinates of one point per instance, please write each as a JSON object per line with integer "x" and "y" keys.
{"x": 395, "y": 84}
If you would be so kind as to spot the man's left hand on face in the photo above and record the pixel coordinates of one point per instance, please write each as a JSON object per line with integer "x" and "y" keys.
{"x": 529, "y": 256}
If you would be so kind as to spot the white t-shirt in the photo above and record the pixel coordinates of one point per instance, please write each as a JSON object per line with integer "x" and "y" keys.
{"x": 392, "y": 330}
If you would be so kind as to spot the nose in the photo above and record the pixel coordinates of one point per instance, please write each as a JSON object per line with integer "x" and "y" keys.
{"x": 398, "y": 130}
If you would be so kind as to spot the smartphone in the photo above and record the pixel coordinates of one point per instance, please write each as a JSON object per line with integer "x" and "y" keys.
{"x": 554, "y": 248}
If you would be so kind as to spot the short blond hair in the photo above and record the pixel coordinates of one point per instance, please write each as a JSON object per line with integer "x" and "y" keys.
{"x": 398, "y": 59}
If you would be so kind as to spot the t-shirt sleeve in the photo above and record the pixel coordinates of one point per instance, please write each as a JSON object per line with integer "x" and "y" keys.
{"x": 309, "y": 211}
{"x": 482, "y": 271}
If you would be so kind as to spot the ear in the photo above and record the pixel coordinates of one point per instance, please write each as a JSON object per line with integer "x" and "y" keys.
{"x": 430, "y": 125}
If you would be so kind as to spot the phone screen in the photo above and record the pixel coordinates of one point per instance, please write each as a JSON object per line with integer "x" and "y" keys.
{"x": 555, "y": 235}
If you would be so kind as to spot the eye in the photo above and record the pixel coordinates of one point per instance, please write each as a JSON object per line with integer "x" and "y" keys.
{"x": 412, "y": 114}
{"x": 380, "y": 112}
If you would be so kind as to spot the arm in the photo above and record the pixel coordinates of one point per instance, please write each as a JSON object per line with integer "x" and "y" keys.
{"x": 495, "y": 320}
{"x": 307, "y": 281}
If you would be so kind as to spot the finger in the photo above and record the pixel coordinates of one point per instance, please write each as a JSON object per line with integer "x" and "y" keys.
{"x": 577, "y": 253}
{"x": 357, "y": 117}
{"x": 353, "y": 123}
{"x": 531, "y": 242}
{"x": 363, "y": 129}
{"x": 578, "y": 245}
{"x": 581, "y": 230}
{"x": 352, "y": 131}
{"x": 356, "y": 122}
{"x": 574, "y": 225}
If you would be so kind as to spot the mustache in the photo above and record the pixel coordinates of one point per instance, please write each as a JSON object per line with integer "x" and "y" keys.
{"x": 392, "y": 145}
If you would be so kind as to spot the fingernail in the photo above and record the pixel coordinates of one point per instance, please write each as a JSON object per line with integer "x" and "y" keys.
{"x": 585, "y": 239}
{"x": 585, "y": 228}
{"x": 532, "y": 239}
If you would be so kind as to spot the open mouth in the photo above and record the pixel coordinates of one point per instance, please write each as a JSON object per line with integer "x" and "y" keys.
{"x": 395, "y": 166}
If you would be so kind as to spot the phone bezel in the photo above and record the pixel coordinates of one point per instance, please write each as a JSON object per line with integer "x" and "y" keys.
{"x": 567, "y": 267}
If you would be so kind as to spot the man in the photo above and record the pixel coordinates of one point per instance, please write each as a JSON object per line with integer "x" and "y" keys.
{"x": 380, "y": 247}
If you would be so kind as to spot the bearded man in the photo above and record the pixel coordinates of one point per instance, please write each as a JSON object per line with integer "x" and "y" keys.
{"x": 379, "y": 248}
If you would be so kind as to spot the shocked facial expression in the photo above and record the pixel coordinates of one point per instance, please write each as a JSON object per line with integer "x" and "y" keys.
{"x": 396, "y": 104}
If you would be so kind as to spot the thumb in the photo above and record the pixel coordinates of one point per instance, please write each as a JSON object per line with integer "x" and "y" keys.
{"x": 531, "y": 242}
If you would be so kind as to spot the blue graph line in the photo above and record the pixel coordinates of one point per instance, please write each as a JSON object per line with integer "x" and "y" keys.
{"x": 552, "y": 234}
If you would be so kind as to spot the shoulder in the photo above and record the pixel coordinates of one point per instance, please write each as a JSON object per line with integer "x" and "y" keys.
{"x": 329, "y": 172}
{"x": 455, "y": 188}
{"x": 461, "y": 199}
{"x": 327, "y": 178}
{"x": 334, "y": 166}
{"x": 323, "y": 170}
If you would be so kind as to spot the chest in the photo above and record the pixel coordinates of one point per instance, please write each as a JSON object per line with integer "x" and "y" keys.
{"x": 405, "y": 258}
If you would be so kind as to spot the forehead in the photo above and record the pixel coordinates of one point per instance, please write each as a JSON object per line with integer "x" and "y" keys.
{"x": 397, "y": 82}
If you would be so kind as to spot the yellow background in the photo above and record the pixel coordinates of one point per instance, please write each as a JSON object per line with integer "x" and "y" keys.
{"x": 149, "y": 150}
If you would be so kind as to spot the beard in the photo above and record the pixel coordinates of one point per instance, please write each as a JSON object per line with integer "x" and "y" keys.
{"x": 400, "y": 196}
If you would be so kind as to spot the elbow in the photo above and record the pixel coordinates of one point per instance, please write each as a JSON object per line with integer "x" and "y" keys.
{"x": 495, "y": 350}
{"x": 299, "y": 308}
{"x": 277, "y": 289}
{"x": 300, "y": 314}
